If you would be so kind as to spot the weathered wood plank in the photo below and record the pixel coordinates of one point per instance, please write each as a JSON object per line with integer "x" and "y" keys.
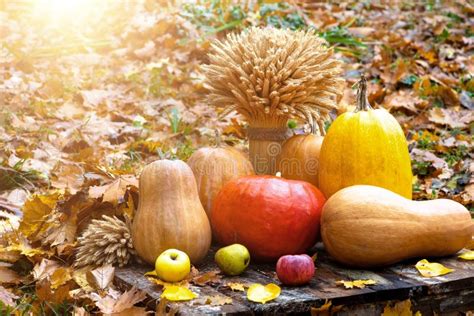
{"x": 450, "y": 293}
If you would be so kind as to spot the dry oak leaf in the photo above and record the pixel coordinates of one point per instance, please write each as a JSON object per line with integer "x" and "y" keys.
{"x": 7, "y": 297}
{"x": 46, "y": 293}
{"x": 356, "y": 283}
{"x": 431, "y": 269}
{"x": 263, "y": 293}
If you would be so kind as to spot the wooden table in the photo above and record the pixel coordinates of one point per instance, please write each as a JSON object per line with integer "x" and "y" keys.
{"x": 446, "y": 295}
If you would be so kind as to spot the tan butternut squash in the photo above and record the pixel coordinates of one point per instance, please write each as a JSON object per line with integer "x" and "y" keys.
{"x": 367, "y": 226}
{"x": 169, "y": 213}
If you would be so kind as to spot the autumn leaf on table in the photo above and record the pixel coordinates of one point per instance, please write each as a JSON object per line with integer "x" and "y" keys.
{"x": 213, "y": 300}
{"x": 208, "y": 277}
{"x": 263, "y": 293}
{"x": 178, "y": 293}
{"x": 234, "y": 286}
{"x": 356, "y": 283}
{"x": 468, "y": 255}
{"x": 431, "y": 269}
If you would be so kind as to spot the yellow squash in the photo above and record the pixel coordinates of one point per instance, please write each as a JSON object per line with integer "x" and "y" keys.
{"x": 365, "y": 147}
{"x": 367, "y": 226}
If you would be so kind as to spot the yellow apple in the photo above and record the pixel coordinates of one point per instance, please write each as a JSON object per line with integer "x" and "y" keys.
{"x": 172, "y": 265}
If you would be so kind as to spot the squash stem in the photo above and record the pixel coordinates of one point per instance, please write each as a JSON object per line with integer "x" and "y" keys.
{"x": 362, "y": 101}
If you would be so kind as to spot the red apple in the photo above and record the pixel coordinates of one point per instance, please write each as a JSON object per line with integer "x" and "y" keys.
{"x": 295, "y": 269}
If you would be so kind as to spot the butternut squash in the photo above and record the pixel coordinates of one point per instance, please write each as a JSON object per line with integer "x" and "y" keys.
{"x": 367, "y": 226}
{"x": 169, "y": 213}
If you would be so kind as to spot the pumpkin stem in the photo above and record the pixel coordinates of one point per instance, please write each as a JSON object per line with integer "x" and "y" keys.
{"x": 362, "y": 101}
{"x": 218, "y": 138}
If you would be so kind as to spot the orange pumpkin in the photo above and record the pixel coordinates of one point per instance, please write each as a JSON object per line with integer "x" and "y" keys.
{"x": 215, "y": 166}
{"x": 299, "y": 157}
{"x": 269, "y": 215}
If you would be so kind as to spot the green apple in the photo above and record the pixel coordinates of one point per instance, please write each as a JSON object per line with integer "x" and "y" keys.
{"x": 233, "y": 259}
{"x": 172, "y": 265}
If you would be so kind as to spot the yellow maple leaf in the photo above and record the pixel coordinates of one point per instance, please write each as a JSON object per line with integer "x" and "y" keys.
{"x": 402, "y": 308}
{"x": 263, "y": 293}
{"x": 431, "y": 269}
{"x": 356, "y": 283}
{"x": 34, "y": 211}
{"x": 153, "y": 277}
{"x": 234, "y": 286}
{"x": 178, "y": 293}
{"x": 60, "y": 277}
{"x": 469, "y": 255}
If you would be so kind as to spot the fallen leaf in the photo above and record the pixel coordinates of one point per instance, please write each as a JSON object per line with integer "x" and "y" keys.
{"x": 431, "y": 269}
{"x": 80, "y": 277}
{"x": 133, "y": 311}
{"x": 261, "y": 294}
{"x": 34, "y": 211}
{"x": 208, "y": 277}
{"x": 68, "y": 176}
{"x": 60, "y": 277}
{"x": 45, "y": 269}
{"x": 213, "y": 300}
{"x": 468, "y": 255}
{"x": 101, "y": 277}
{"x": 111, "y": 305}
{"x": 7, "y": 297}
{"x": 451, "y": 118}
{"x": 236, "y": 286}
{"x": 326, "y": 309}
{"x": 8, "y": 276}
{"x": 178, "y": 293}
{"x": 403, "y": 99}
{"x": 46, "y": 293}
{"x": 402, "y": 308}
{"x": 113, "y": 192}
{"x": 356, "y": 283}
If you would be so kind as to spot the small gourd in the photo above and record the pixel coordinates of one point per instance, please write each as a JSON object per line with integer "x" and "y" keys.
{"x": 299, "y": 157}
{"x": 169, "y": 213}
{"x": 365, "y": 147}
{"x": 215, "y": 166}
{"x": 366, "y": 226}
